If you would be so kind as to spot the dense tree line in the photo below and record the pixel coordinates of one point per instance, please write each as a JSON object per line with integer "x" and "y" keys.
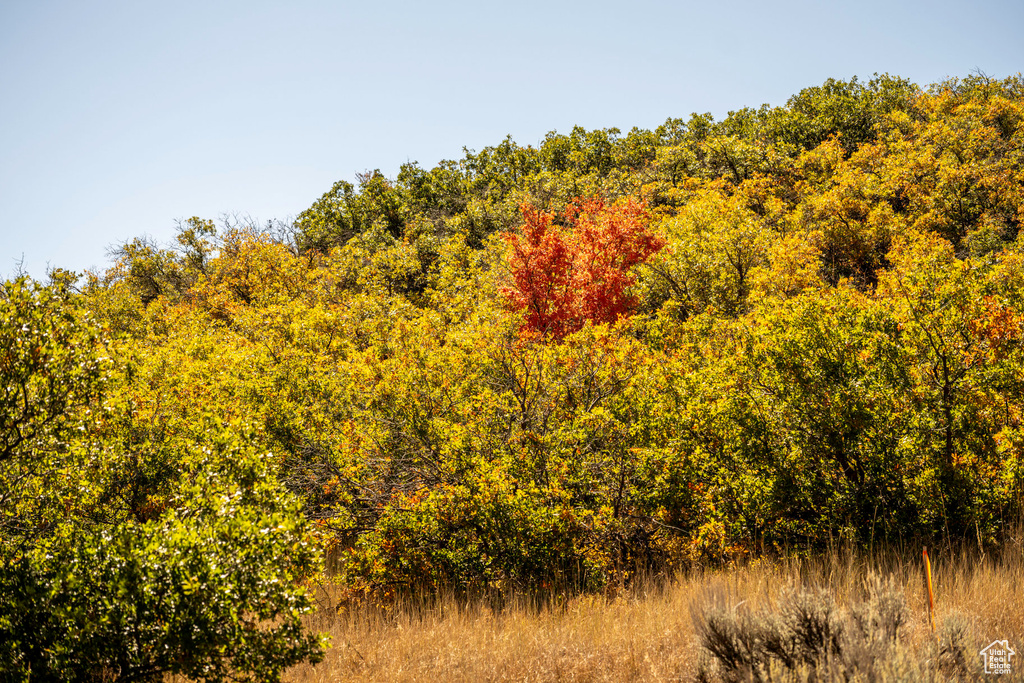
{"x": 531, "y": 368}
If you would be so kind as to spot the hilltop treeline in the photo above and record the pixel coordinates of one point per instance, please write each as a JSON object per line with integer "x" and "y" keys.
{"x": 546, "y": 366}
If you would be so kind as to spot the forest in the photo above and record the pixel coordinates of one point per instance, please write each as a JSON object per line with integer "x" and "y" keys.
{"x": 536, "y": 369}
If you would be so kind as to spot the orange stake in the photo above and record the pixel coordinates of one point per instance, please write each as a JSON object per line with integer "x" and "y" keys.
{"x": 931, "y": 597}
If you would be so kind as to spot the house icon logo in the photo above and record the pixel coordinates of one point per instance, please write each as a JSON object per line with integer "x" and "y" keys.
{"x": 997, "y": 657}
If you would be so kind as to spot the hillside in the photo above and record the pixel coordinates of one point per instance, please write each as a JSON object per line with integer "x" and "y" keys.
{"x": 541, "y": 369}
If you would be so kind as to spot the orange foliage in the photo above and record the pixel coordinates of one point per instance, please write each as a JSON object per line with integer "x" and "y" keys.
{"x": 563, "y": 276}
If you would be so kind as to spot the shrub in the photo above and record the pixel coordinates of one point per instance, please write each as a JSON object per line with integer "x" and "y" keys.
{"x": 809, "y": 638}
{"x": 207, "y": 584}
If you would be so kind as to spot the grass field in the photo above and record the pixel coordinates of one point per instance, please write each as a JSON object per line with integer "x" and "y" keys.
{"x": 659, "y": 630}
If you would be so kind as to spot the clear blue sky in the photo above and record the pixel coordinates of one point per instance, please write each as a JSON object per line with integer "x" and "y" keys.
{"x": 116, "y": 118}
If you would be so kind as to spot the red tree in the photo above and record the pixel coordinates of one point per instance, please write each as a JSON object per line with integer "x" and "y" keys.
{"x": 564, "y": 276}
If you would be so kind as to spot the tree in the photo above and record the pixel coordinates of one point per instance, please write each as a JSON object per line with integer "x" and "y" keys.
{"x": 850, "y": 109}
{"x": 206, "y": 584}
{"x": 209, "y": 589}
{"x": 961, "y": 337}
{"x": 715, "y": 243}
{"x": 49, "y": 364}
{"x": 564, "y": 276}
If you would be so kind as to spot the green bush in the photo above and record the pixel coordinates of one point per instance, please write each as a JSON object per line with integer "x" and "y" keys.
{"x": 208, "y": 584}
{"x": 212, "y": 589}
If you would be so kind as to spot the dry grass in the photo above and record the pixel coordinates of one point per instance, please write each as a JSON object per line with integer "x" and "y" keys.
{"x": 649, "y": 633}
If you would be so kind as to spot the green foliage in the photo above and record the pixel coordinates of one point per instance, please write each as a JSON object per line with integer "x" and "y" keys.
{"x": 331, "y": 220}
{"x": 715, "y": 243}
{"x": 826, "y": 369}
{"x": 850, "y": 110}
{"x": 151, "y": 272}
{"x": 130, "y": 557}
{"x": 50, "y": 365}
{"x": 206, "y": 591}
{"x": 52, "y": 370}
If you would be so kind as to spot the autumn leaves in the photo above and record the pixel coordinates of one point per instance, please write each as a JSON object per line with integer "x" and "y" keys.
{"x": 563, "y": 275}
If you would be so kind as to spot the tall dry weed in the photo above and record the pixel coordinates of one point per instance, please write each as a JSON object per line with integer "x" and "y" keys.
{"x": 845, "y": 616}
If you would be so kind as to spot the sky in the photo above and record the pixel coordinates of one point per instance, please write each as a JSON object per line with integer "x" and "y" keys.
{"x": 119, "y": 118}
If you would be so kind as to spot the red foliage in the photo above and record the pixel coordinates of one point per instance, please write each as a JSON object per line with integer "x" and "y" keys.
{"x": 564, "y": 276}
